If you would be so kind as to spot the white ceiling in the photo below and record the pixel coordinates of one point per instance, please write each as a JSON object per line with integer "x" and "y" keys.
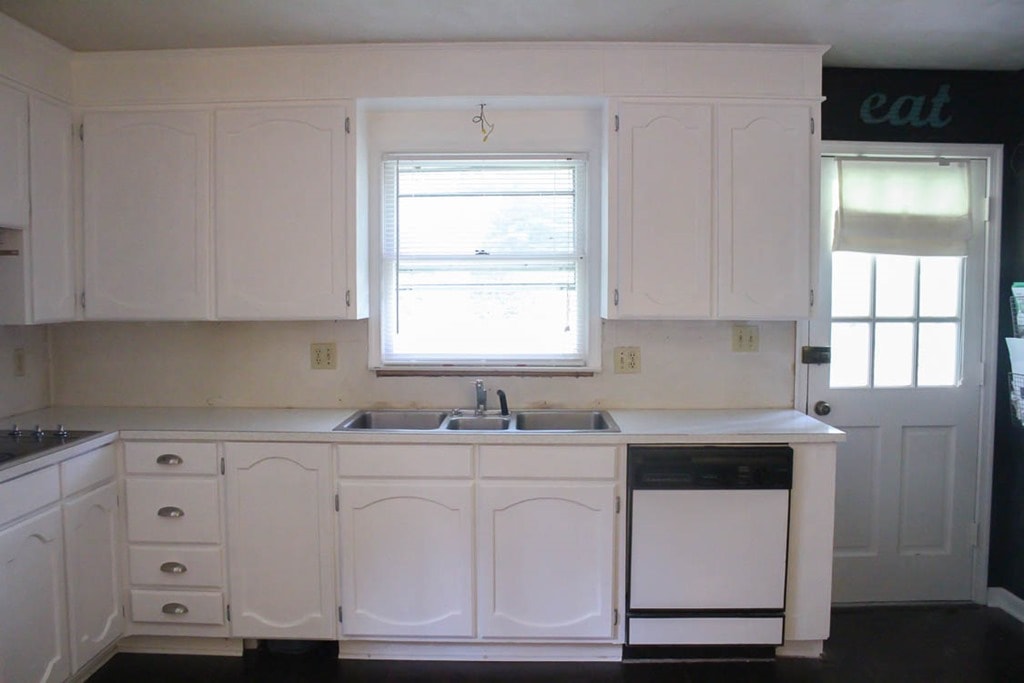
{"x": 929, "y": 34}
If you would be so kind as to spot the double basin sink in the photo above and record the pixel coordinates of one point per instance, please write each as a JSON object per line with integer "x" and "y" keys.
{"x": 523, "y": 421}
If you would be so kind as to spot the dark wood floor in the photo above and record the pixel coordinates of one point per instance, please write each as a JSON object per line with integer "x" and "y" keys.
{"x": 953, "y": 644}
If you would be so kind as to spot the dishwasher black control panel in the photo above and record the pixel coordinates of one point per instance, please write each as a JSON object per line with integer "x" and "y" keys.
{"x": 710, "y": 467}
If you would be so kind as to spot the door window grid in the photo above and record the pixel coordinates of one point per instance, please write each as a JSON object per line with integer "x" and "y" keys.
{"x": 883, "y": 337}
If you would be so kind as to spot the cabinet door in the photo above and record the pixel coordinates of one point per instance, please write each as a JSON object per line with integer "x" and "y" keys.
{"x": 661, "y": 251}
{"x": 281, "y": 192}
{"x": 14, "y": 178}
{"x": 52, "y": 235}
{"x": 280, "y": 553}
{"x": 764, "y": 211}
{"x": 406, "y": 552}
{"x": 146, "y": 215}
{"x": 33, "y": 628}
{"x": 94, "y": 594}
{"x": 545, "y": 560}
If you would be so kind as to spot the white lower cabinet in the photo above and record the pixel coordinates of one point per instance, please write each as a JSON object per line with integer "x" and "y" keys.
{"x": 280, "y": 503}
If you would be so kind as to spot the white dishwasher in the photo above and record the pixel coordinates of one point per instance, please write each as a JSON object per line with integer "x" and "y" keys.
{"x": 708, "y": 541}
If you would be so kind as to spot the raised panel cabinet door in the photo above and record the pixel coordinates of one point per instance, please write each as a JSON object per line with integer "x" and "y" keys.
{"x": 545, "y": 559}
{"x": 14, "y": 174}
{"x": 764, "y": 211}
{"x": 146, "y": 215}
{"x": 52, "y": 234}
{"x": 280, "y": 508}
{"x": 94, "y": 593}
{"x": 661, "y": 249}
{"x": 406, "y": 553}
{"x": 281, "y": 196}
{"x": 33, "y": 625}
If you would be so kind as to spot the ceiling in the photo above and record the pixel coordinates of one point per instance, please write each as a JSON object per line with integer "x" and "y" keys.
{"x": 923, "y": 34}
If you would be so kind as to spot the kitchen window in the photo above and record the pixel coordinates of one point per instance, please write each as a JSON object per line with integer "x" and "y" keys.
{"x": 483, "y": 262}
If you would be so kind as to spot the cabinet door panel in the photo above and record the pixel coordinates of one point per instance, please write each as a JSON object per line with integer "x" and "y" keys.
{"x": 33, "y": 628}
{"x": 146, "y": 215}
{"x": 764, "y": 209}
{"x": 14, "y": 175}
{"x": 663, "y": 228}
{"x": 406, "y": 558}
{"x": 94, "y": 594}
{"x": 280, "y": 508}
{"x": 52, "y": 234}
{"x": 545, "y": 560}
{"x": 281, "y": 212}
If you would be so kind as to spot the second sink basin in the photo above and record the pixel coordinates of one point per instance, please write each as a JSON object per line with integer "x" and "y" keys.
{"x": 565, "y": 421}
{"x": 388, "y": 420}
{"x": 479, "y": 422}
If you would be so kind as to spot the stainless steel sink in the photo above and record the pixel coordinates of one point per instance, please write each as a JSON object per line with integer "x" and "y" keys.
{"x": 479, "y": 423}
{"x": 565, "y": 421}
{"x": 387, "y": 420}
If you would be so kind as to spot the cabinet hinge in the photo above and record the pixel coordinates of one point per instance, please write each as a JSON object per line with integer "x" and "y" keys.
{"x": 81, "y": 300}
{"x": 228, "y": 610}
{"x": 615, "y": 622}
{"x": 348, "y": 297}
{"x": 81, "y": 132}
{"x": 973, "y": 530}
{"x": 339, "y": 615}
{"x": 616, "y": 123}
{"x": 222, "y": 465}
{"x": 124, "y": 613}
{"x": 618, "y": 504}
{"x": 615, "y": 297}
{"x": 348, "y": 125}
{"x": 812, "y": 125}
{"x": 337, "y": 503}
{"x": 812, "y": 297}
{"x": 117, "y": 501}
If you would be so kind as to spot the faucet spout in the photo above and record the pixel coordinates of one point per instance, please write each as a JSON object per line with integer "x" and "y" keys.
{"x": 481, "y": 397}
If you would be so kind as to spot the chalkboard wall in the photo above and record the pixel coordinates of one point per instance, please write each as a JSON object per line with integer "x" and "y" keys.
{"x": 895, "y": 105}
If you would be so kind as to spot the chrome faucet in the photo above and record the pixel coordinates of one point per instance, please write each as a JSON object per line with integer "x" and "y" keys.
{"x": 481, "y": 397}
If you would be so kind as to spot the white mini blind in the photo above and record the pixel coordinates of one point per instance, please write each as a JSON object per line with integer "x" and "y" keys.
{"x": 483, "y": 261}
{"x": 913, "y": 207}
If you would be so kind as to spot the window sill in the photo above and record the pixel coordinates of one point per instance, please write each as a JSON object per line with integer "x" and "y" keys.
{"x": 485, "y": 372}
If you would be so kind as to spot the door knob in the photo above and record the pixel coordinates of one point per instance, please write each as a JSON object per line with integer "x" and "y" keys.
{"x": 822, "y": 408}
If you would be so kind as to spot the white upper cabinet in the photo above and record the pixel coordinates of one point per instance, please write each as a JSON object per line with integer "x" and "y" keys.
{"x": 710, "y": 210}
{"x": 146, "y": 215}
{"x": 14, "y": 174}
{"x": 764, "y": 210}
{"x": 51, "y": 237}
{"x": 281, "y": 213}
{"x": 662, "y": 247}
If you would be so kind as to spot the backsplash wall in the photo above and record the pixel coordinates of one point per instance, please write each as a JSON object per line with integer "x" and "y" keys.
{"x": 32, "y": 391}
{"x": 266, "y": 364}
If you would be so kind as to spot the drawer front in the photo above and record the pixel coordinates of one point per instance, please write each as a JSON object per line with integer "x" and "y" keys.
{"x": 170, "y": 457}
{"x": 173, "y": 510}
{"x": 176, "y": 566}
{"x": 404, "y": 460}
{"x": 34, "y": 491}
{"x": 548, "y": 462}
{"x": 178, "y": 607}
{"x": 88, "y": 470}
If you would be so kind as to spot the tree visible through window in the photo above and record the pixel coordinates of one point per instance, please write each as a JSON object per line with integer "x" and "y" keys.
{"x": 484, "y": 262}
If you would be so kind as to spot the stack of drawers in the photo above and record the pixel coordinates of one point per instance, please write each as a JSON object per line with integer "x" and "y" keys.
{"x": 175, "y": 536}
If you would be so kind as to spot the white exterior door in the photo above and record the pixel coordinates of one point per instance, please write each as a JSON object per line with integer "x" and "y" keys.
{"x": 907, "y": 339}
{"x": 280, "y": 552}
{"x": 406, "y": 558}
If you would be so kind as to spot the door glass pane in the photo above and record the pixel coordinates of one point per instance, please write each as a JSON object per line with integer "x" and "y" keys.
{"x": 894, "y": 354}
{"x": 851, "y": 284}
{"x": 850, "y": 354}
{"x": 940, "y": 286}
{"x": 937, "y": 354}
{"x": 894, "y": 286}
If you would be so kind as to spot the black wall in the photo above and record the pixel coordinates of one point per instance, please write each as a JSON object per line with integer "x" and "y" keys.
{"x": 971, "y": 107}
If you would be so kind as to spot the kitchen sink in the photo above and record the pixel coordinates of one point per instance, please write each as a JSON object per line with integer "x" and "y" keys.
{"x": 565, "y": 421}
{"x": 388, "y": 420}
{"x": 479, "y": 423}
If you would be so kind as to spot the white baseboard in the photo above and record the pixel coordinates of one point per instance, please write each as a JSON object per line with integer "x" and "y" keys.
{"x": 807, "y": 649}
{"x": 94, "y": 665}
{"x": 362, "y": 649}
{"x": 178, "y": 645}
{"x": 1006, "y": 601}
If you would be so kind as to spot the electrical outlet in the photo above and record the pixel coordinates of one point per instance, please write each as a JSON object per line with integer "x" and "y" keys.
{"x": 323, "y": 356}
{"x": 745, "y": 338}
{"x": 19, "y": 362}
{"x": 627, "y": 359}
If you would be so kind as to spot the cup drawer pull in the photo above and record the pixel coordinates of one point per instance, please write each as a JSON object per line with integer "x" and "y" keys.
{"x": 169, "y": 459}
{"x": 173, "y": 568}
{"x": 175, "y": 608}
{"x": 170, "y": 511}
